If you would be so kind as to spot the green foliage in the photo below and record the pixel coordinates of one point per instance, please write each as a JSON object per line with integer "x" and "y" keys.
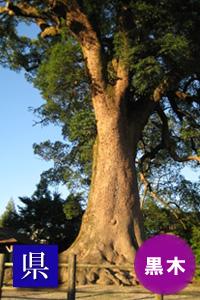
{"x": 81, "y": 126}
{"x": 61, "y": 74}
{"x": 156, "y": 219}
{"x": 43, "y": 217}
{"x": 161, "y": 220}
{"x": 72, "y": 207}
{"x": 123, "y": 48}
{"x": 8, "y": 218}
{"x": 175, "y": 48}
{"x": 147, "y": 74}
{"x": 73, "y": 160}
{"x": 82, "y": 131}
{"x": 64, "y": 84}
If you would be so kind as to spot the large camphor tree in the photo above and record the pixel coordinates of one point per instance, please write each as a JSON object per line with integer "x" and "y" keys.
{"x": 135, "y": 66}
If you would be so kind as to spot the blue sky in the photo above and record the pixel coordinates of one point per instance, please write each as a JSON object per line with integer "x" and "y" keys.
{"x": 20, "y": 169}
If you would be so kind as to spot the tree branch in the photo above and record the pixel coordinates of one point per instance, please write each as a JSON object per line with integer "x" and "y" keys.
{"x": 24, "y": 10}
{"x": 175, "y": 108}
{"x": 182, "y": 114}
{"x": 27, "y": 11}
{"x": 160, "y": 90}
{"x": 82, "y": 29}
{"x": 50, "y": 31}
{"x": 125, "y": 25}
{"x": 156, "y": 197}
{"x": 78, "y": 24}
{"x": 168, "y": 142}
{"x": 186, "y": 97}
{"x": 151, "y": 154}
{"x": 145, "y": 184}
{"x": 122, "y": 81}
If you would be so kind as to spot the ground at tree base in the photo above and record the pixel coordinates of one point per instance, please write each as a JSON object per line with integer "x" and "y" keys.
{"x": 95, "y": 292}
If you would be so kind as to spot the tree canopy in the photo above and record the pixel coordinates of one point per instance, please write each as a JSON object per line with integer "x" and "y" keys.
{"x": 8, "y": 216}
{"x": 159, "y": 42}
{"x": 45, "y": 216}
{"x": 122, "y": 79}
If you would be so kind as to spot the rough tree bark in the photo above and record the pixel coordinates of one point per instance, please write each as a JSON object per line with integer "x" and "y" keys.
{"x": 112, "y": 226}
{"x": 113, "y": 214}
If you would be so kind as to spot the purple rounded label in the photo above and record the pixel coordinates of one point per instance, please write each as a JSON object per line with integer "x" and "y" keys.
{"x": 165, "y": 264}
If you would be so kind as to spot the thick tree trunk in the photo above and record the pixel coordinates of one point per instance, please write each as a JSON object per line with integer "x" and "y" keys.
{"x": 112, "y": 224}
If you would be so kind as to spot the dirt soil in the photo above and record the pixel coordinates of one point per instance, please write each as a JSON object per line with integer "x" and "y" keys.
{"x": 95, "y": 292}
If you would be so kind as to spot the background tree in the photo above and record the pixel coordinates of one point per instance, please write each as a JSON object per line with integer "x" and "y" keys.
{"x": 164, "y": 219}
{"x": 47, "y": 217}
{"x": 181, "y": 220}
{"x": 8, "y": 218}
{"x": 139, "y": 64}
